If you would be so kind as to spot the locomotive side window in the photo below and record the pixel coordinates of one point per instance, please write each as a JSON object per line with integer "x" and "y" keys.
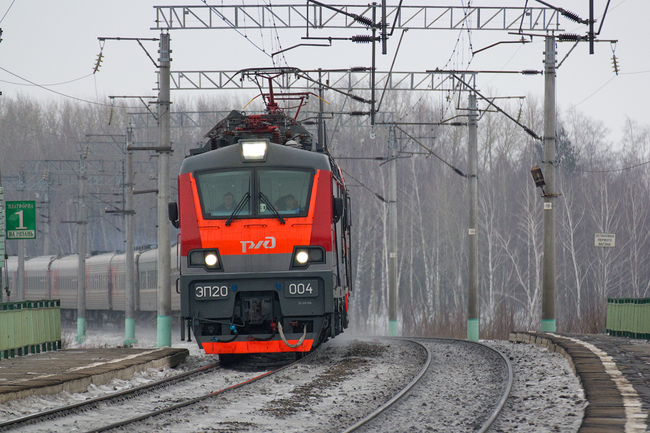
{"x": 220, "y": 192}
{"x": 288, "y": 191}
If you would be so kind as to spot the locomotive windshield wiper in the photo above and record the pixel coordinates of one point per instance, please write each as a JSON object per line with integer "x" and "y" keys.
{"x": 239, "y": 207}
{"x": 269, "y": 205}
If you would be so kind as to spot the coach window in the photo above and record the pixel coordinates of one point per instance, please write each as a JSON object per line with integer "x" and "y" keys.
{"x": 220, "y": 192}
{"x": 287, "y": 190}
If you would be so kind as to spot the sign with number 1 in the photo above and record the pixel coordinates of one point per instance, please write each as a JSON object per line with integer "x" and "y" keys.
{"x": 21, "y": 219}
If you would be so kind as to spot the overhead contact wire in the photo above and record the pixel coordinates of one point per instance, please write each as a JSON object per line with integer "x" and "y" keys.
{"x": 431, "y": 152}
{"x": 232, "y": 26}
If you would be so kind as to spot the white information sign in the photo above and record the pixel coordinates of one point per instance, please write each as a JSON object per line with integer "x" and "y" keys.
{"x": 605, "y": 240}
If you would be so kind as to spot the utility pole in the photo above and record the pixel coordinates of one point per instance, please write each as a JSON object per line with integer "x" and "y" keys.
{"x": 129, "y": 308}
{"x": 392, "y": 235}
{"x": 548, "y": 273}
{"x": 81, "y": 238}
{"x": 164, "y": 323}
{"x": 472, "y": 243}
{"x": 48, "y": 219}
{"x": 321, "y": 108}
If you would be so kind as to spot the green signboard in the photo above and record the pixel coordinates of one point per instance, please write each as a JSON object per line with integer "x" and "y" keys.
{"x": 21, "y": 219}
{"x": 2, "y": 229}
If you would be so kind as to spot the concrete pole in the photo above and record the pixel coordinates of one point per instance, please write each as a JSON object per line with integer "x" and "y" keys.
{"x": 129, "y": 308}
{"x": 321, "y": 108}
{"x": 372, "y": 73}
{"x": 46, "y": 228}
{"x": 472, "y": 243}
{"x": 548, "y": 276}
{"x": 20, "y": 277}
{"x": 81, "y": 238}
{"x": 164, "y": 324}
{"x": 392, "y": 235}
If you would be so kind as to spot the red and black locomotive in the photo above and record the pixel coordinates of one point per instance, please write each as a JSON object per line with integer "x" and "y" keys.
{"x": 264, "y": 218}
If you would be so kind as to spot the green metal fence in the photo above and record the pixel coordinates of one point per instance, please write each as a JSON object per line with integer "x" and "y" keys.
{"x": 628, "y": 317}
{"x": 29, "y": 327}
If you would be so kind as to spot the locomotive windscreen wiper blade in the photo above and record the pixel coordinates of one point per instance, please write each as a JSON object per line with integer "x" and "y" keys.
{"x": 239, "y": 207}
{"x": 266, "y": 200}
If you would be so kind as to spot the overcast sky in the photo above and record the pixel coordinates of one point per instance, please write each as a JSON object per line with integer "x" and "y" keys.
{"x": 48, "y": 43}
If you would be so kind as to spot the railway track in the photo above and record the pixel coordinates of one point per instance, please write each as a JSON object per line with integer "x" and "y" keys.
{"x": 397, "y": 407}
{"x": 171, "y": 392}
{"x": 327, "y": 391}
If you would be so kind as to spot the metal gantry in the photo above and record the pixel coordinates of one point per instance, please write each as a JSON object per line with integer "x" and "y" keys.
{"x": 311, "y": 16}
{"x": 347, "y": 80}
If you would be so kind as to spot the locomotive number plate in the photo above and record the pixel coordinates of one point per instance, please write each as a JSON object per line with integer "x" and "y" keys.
{"x": 211, "y": 291}
{"x": 301, "y": 289}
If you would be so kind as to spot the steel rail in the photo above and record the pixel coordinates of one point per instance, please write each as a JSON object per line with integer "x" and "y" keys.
{"x": 486, "y": 425}
{"x": 504, "y": 397}
{"x": 397, "y": 396}
{"x": 88, "y": 404}
{"x": 192, "y": 401}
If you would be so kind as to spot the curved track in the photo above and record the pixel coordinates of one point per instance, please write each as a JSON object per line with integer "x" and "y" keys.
{"x": 422, "y": 374}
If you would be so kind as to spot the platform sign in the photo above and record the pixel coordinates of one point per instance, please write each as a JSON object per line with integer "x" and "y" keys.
{"x": 2, "y": 227}
{"x": 21, "y": 219}
{"x": 605, "y": 240}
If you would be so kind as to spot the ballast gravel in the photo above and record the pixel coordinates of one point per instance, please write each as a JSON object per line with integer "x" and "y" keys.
{"x": 347, "y": 378}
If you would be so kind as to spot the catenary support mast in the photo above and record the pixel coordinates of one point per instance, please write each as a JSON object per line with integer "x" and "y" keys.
{"x": 548, "y": 276}
{"x": 392, "y": 235}
{"x": 81, "y": 237}
{"x": 129, "y": 308}
{"x": 472, "y": 242}
{"x": 164, "y": 323}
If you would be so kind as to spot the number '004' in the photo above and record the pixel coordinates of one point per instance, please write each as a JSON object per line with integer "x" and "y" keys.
{"x": 300, "y": 289}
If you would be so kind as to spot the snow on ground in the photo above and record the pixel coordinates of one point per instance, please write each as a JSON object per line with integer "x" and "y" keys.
{"x": 546, "y": 396}
{"x": 109, "y": 336}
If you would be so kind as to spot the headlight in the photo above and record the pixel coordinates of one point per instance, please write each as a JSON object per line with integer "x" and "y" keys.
{"x": 304, "y": 256}
{"x": 209, "y": 259}
{"x": 254, "y": 150}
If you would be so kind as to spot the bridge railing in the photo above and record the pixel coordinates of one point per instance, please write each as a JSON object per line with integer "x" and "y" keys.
{"x": 628, "y": 317}
{"x": 29, "y": 327}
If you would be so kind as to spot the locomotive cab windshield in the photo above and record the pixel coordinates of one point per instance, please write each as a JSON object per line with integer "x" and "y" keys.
{"x": 258, "y": 192}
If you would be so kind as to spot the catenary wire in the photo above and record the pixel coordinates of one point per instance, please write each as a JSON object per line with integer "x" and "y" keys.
{"x": 46, "y": 85}
{"x": 54, "y": 91}
{"x": 8, "y": 9}
{"x": 233, "y": 27}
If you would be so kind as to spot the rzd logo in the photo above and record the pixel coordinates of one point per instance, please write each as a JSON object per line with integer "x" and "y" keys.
{"x": 268, "y": 243}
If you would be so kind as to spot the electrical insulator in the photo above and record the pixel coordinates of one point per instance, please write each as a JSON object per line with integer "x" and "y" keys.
{"x": 98, "y": 63}
{"x": 363, "y": 20}
{"x": 572, "y": 16}
{"x": 362, "y": 39}
{"x": 568, "y": 37}
{"x": 615, "y": 64}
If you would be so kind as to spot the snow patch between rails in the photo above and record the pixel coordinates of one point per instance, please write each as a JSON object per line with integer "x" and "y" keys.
{"x": 635, "y": 418}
